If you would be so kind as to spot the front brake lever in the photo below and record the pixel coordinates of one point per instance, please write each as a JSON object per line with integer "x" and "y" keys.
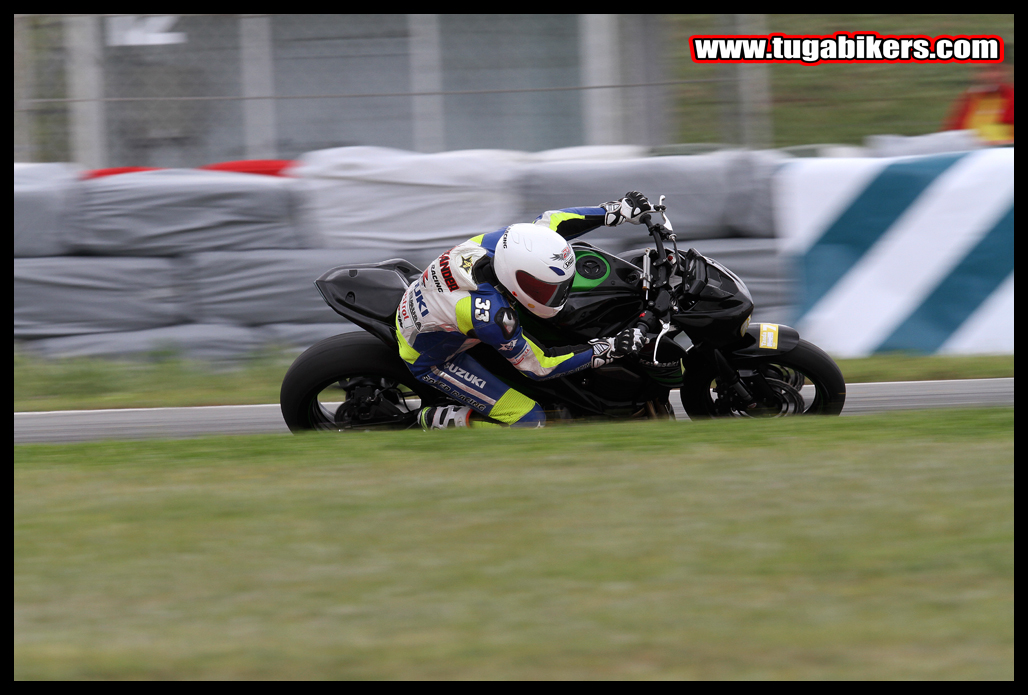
{"x": 665, "y": 327}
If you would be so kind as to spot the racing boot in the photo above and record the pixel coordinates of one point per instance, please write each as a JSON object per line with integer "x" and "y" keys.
{"x": 444, "y": 417}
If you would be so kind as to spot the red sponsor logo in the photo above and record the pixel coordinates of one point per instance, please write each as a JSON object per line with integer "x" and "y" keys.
{"x": 520, "y": 357}
{"x": 444, "y": 269}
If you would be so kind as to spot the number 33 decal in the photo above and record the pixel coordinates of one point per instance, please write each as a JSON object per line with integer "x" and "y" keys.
{"x": 482, "y": 309}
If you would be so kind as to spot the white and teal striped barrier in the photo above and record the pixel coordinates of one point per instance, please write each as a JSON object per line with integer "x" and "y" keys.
{"x": 911, "y": 253}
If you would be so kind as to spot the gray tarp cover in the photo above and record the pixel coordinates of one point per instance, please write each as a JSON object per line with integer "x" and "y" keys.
{"x": 710, "y": 196}
{"x": 264, "y": 287}
{"x": 415, "y": 204}
{"x": 397, "y": 201}
{"x": 241, "y": 278}
{"x": 407, "y": 202}
{"x": 177, "y": 211}
{"x": 70, "y": 296}
{"x": 45, "y": 199}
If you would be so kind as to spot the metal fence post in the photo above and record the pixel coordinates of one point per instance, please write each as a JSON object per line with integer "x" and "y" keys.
{"x": 23, "y": 143}
{"x": 426, "y": 81}
{"x": 258, "y": 81}
{"x": 85, "y": 77}
{"x": 754, "y": 85}
{"x": 602, "y": 109}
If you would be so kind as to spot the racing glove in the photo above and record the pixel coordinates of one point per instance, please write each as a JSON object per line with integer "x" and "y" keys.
{"x": 630, "y": 208}
{"x": 628, "y": 342}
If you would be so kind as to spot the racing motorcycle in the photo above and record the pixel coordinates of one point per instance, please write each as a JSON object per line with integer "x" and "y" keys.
{"x": 695, "y": 311}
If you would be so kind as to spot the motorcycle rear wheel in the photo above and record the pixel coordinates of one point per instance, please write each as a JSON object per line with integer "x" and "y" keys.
{"x": 351, "y": 381}
{"x": 785, "y": 374}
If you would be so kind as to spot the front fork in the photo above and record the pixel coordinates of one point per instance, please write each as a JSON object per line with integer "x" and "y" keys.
{"x": 737, "y": 389}
{"x": 730, "y": 386}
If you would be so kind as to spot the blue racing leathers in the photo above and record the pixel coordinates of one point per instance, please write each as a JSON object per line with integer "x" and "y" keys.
{"x": 457, "y": 303}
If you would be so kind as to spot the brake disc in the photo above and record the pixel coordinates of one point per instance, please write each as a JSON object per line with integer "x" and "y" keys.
{"x": 788, "y": 401}
{"x": 783, "y": 373}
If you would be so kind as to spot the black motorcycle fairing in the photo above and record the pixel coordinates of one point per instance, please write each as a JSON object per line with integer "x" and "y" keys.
{"x": 750, "y": 344}
{"x": 599, "y": 314}
{"x": 604, "y": 299}
{"x": 368, "y": 293}
{"x": 704, "y": 358}
{"x": 713, "y": 302}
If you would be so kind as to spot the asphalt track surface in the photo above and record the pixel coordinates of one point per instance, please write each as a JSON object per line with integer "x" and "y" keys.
{"x": 146, "y": 423}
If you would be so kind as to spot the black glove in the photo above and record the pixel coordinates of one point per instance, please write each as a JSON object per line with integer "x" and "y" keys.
{"x": 630, "y": 208}
{"x": 629, "y": 342}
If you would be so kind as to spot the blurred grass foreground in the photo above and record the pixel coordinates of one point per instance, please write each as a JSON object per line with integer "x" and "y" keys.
{"x": 878, "y": 547}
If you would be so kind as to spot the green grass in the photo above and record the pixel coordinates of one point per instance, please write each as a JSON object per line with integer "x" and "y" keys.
{"x": 908, "y": 367}
{"x": 90, "y": 383}
{"x": 86, "y": 383}
{"x": 831, "y": 103}
{"x": 877, "y": 547}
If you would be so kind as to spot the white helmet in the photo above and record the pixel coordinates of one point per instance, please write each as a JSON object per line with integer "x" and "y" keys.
{"x": 537, "y": 266}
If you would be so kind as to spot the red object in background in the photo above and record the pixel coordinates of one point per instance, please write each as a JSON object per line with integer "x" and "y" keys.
{"x": 267, "y": 167}
{"x": 989, "y": 110}
{"x": 97, "y": 173}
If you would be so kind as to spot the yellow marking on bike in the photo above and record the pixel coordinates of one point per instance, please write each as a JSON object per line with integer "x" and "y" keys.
{"x": 769, "y": 335}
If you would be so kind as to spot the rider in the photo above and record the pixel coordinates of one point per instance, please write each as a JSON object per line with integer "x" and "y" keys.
{"x": 465, "y": 296}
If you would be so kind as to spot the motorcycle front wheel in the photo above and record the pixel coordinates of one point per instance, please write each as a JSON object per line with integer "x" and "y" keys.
{"x": 351, "y": 381}
{"x": 802, "y": 381}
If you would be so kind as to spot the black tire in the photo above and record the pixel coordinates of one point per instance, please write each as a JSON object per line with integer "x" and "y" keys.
{"x": 806, "y": 362}
{"x": 341, "y": 359}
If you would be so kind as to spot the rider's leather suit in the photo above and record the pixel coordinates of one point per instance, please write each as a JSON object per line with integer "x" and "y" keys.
{"x": 457, "y": 304}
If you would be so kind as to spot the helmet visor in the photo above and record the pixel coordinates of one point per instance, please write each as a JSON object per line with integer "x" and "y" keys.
{"x": 545, "y": 293}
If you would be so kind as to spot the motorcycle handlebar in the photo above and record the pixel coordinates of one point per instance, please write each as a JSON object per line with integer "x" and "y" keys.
{"x": 648, "y": 322}
{"x": 654, "y": 230}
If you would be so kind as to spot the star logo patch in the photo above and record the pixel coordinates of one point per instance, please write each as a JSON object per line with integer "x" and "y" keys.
{"x": 466, "y": 263}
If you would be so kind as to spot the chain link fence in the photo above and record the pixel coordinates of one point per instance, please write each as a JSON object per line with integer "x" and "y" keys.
{"x": 187, "y": 90}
